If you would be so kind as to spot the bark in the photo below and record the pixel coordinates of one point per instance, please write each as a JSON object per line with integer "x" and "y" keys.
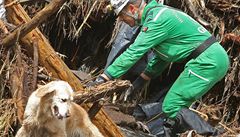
{"x": 50, "y": 60}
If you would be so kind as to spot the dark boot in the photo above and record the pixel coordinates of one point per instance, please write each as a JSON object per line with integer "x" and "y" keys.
{"x": 187, "y": 119}
{"x": 170, "y": 129}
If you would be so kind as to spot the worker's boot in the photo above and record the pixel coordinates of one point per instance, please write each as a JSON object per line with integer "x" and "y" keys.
{"x": 189, "y": 120}
{"x": 170, "y": 129}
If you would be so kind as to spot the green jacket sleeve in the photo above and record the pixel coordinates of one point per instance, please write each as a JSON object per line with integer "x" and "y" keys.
{"x": 155, "y": 67}
{"x": 151, "y": 35}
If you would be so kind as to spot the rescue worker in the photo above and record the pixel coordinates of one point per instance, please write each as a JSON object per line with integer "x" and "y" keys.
{"x": 125, "y": 37}
{"x": 174, "y": 37}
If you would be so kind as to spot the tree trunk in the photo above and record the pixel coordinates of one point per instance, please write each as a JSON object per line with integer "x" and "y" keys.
{"x": 49, "y": 59}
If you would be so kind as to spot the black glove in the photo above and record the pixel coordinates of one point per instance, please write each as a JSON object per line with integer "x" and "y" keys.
{"x": 136, "y": 86}
{"x": 99, "y": 80}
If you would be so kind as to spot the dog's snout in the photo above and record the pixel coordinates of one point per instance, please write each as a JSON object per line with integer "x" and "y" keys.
{"x": 68, "y": 114}
{"x": 55, "y": 108}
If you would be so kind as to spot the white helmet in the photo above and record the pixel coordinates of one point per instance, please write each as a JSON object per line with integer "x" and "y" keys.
{"x": 118, "y": 5}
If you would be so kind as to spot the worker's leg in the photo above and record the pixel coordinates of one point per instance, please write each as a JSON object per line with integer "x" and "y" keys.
{"x": 197, "y": 78}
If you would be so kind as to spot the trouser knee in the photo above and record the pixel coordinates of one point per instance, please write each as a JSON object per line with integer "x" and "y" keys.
{"x": 169, "y": 110}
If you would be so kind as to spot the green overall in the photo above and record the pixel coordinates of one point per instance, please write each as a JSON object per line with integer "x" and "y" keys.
{"x": 173, "y": 35}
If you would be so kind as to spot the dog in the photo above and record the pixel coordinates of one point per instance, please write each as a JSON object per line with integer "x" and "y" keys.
{"x": 50, "y": 112}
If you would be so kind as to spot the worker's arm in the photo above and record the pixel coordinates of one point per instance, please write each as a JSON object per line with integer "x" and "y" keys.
{"x": 155, "y": 67}
{"x": 152, "y": 34}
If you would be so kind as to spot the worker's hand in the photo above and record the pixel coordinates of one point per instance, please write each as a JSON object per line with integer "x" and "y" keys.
{"x": 99, "y": 80}
{"x": 135, "y": 87}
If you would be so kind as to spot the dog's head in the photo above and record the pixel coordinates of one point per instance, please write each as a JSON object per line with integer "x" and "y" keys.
{"x": 58, "y": 96}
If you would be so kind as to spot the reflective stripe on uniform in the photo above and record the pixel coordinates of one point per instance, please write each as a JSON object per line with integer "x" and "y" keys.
{"x": 159, "y": 13}
{"x": 191, "y": 72}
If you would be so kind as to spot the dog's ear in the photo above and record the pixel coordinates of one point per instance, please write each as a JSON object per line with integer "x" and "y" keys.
{"x": 45, "y": 90}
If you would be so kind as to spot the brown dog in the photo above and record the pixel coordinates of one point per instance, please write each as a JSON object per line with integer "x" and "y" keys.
{"x": 50, "y": 112}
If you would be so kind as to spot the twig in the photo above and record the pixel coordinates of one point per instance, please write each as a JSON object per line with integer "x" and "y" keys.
{"x": 233, "y": 37}
{"x": 12, "y": 3}
{"x": 35, "y": 63}
{"x": 85, "y": 20}
{"x": 192, "y": 9}
{"x": 200, "y": 113}
{"x": 155, "y": 117}
{"x": 230, "y": 130}
{"x": 5, "y": 62}
{"x": 206, "y": 118}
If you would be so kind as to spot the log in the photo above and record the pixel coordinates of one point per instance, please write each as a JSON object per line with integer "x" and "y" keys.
{"x": 50, "y": 60}
{"x": 95, "y": 93}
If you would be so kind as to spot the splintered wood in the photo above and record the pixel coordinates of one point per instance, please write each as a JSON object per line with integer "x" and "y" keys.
{"x": 3, "y": 28}
{"x": 95, "y": 93}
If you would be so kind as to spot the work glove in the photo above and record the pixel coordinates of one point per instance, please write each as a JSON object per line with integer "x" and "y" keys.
{"x": 136, "y": 86}
{"x": 99, "y": 80}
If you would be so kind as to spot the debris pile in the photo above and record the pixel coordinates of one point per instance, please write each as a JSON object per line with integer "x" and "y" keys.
{"x": 77, "y": 35}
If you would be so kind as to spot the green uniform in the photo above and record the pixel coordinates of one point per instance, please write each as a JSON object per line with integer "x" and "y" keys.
{"x": 173, "y": 35}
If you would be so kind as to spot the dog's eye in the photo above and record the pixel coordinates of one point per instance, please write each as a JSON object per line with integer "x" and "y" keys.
{"x": 64, "y": 100}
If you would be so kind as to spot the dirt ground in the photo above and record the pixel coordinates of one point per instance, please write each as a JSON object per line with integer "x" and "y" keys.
{"x": 126, "y": 122}
{"x": 117, "y": 116}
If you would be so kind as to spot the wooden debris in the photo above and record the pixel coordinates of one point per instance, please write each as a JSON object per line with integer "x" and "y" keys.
{"x": 17, "y": 83}
{"x": 95, "y": 108}
{"x": 3, "y": 28}
{"x": 33, "y": 23}
{"x": 47, "y": 56}
{"x": 231, "y": 37}
{"x": 223, "y": 18}
{"x": 95, "y": 93}
{"x": 8, "y": 117}
{"x": 12, "y": 3}
{"x": 193, "y": 12}
{"x": 35, "y": 62}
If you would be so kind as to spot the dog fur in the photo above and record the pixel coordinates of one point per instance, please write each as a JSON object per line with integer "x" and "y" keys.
{"x": 50, "y": 112}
